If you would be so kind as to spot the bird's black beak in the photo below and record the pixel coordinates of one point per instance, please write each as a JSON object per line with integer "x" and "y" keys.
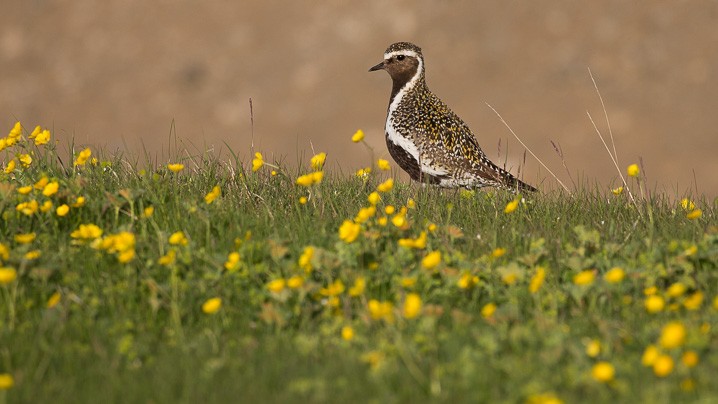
{"x": 380, "y": 66}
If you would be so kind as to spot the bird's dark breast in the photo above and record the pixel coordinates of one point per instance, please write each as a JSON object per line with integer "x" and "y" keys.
{"x": 408, "y": 163}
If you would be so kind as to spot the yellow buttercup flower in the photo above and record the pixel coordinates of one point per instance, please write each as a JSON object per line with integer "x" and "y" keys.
{"x": 347, "y": 333}
{"x": 317, "y": 161}
{"x": 381, "y": 310}
{"x": 335, "y": 288}
{"x": 386, "y": 186}
{"x": 593, "y": 348}
{"x": 488, "y": 310}
{"x": 676, "y": 290}
{"x": 614, "y": 275}
{"x": 632, "y": 170}
{"x": 87, "y": 232}
{"x": 690, "y": 359}
{"x": 25, "y": 159}
{"x": 310, "y": 179}
{"x": 654, "y": 303}
{"x": 4, "y": 252}
{"x": 42, "y": 137}
{"x": 687, "y": 204}
{"x": 10, "y": 166}
{"x": 305, "y": 260}
{"x": 467, "y": 281}
{"x": 663, "y": 365}
{"x": 694, "y": 301}
{"x": 650, "y": 355}
{"x": 431, "y": 260}
{"x": 79, "y": 202}
{"x": 358, "y": 288}
{"x": 617, "y": 191}
{"x": 28, "y": 208}
{"x": 276, "y": 285}
{"x": 363, "y": 172}
{"x": 418, "y": 243}
{"x": 62, "y": 210}
{"x": 511, "y": 206}
{"x": 374, "y": 198}
{"x": 498, "y": 252}
{"x": 53, "y": 300}
{"x": 148, "y": 211}
{"x": 82, "y": 157}
{"x": 7, "y": 275}
{"x": 213, "y": 194}
{"x": 412, "y": 305}
{"x": 383, "y": 165}
{"x": 257, "y": 161}
{"x": 537, "y": 280}
{"x": 46, "y": 206}
{"x": 175, "y": 167}
{"x": 25, "y": 238}
{"x": 51, "y": 188}
{"x": 349, "y": 231}
{"x": 358, "y": 136}
{"x": 603, "y": 372}
{"x": 178, "y": 238}
{"x": 6, "y": 381}
{"x": 232, "y": 263}
{"x": 584, "y": 278}
{"x": 694, "y": 214}
{"x": 673, "y": 335}
{"x": 24, "y": 190}
{"x": 295, "y": 282}
{"x": 168, "y": 259}
{"x": 212, "y": 305}
{"x": 302, "y": 200}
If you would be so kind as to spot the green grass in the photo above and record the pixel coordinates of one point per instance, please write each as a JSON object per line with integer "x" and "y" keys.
{"x": 136, "y": 332}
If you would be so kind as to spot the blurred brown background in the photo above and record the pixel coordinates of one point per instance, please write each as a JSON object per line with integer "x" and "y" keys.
{"x": 114, "y": 74}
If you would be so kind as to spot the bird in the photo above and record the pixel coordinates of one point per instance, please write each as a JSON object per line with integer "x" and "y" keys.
{"x": 426, "y": 138}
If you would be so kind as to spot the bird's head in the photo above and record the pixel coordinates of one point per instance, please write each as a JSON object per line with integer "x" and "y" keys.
{"x": 402, "y": 60}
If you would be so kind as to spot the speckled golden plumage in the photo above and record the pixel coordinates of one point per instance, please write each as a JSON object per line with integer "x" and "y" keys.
{"x": 426, "y": 138}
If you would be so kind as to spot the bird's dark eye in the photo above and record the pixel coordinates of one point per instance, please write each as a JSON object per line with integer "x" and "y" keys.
{"x": 400, "y": 57}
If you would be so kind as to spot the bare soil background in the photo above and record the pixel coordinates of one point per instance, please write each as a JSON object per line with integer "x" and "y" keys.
{"x": 115, "y": 74}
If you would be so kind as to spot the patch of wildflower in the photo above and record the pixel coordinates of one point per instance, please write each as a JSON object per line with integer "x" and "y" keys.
{"x": 307, "y": 180}
{"x": 431, "y": 260}
{"x": 257, "y": 161}
{"x": 211, "y": 306}
{"x": 633, "y": 170}
{"x": 317, "y": 161}
{"x": 511, "y": 206}
{"x": 121, "y": 244}
{"x": 178, "y": 238}
{"x": 349, "y": 231}
{"x": 212, "y": 195}
{"x": 383, "y": 165}
{"x": 7, "y": 275}
{"x": 175, "y": 167}
{"x": 82, "y": 157}
{"x": 358, "y": 136}
{"x": 603, "y": 372}
{"x": 386, "y": 186}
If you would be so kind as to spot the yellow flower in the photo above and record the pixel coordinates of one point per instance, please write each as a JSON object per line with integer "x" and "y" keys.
{"x": 62, "y": 210}
{"x": 382, "y": 221}
{"x": 212, "y": 305}
{"x": 6, "y": 381}
{"x": 673, "y": 335}
{"x": 347, "y": 333}
{"x": 663, "y": 366}
{"x": 10, "y": 166}
{"x": 24, "y": 190}
{"x": 168, "y": 259}
{"x": 584, "y": 278}
{"x": 633, "y": 170}
{"x": 25, "y": 159}
{"x": 537, "y": 280}
{"x": 46, "y": 206}
{"x": 408, "y": 282}
{"x": 42, "y": 138}
{"x": 418, "y": 243}
{"x": 603, "y": 372}
{"x": 389, "y": 209}
{"x": 82, "y": 157}
{"x": 33, "y": 255}
{"x": 386, "y": 186}
{"x": 35, "y": 132}
{"x": 87, "y": 232}
{"x": 295, "y": 282}
{"x": 431, "y": 260}
{"x": 676, "y": 290}
{"x": 79, "y": 202}
{"x": 654, "y": 304}
{"x": 365, "y": 214}
{"x": 398, "y": 221}
{"x": 381, "y": 310}
{"x": 510, "y": 278}
{"x": 213, "y": 194}
{"x": 690, "y": 359}
{"x": 468, "y": 281}
{"x": 148, "y": 211}
{"x": 593, "y": 348}
{"x": 488, "y": 310}
{"x": 358, "y": 136}
{"x": 51, "y": 188}
{"x": 412, "y": 305}
{"x": 41, "y": 183}
{"x": 27, "y": 208}
{"x": 26, "y": 238}
{"x": 383, "y": 165}
{"x": 694, "y": 301}
{"x": 317, "y": 161}
{"x": 349, "y": 231}
{"x": 4, "y": 252}
{"x": 53, "y": 300}
{"x": 694, "y": 214}
{"x": 544, "y": 398}
{"x": 302, "y": 200}
{"x": 650, "y": 355}
{"x": 232, "y": 263}
{"x": 7, "y": 275}
{"x": 511, "y": 206}
{"x": 687, "y": 204}
{"x": 305, "y": 260}
{"x": 175, "y": 167}
{"x": 277, "y": 285}
{"x": 363, "y": 172}
{"x": 650, "y": 291}
{"x": 257, "y": 161}
{"x": 410, "y": 203}
{"x": 178, "y": 238}
{"x": 374, "y": 198}
{"x": 358, "y": 288}
{"x": 431, "y": 227}
{"x": 614, "y": 275}
{"x": 310, "y": 179}
{"x": 498, "y": 252}
{"x": 335, "y": 288}
{"x": 617, "y": 191}
{"x": 274, "y": 173}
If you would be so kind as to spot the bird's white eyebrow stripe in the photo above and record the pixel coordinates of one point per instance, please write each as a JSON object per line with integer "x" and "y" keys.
{"x": 401, "y": 52}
